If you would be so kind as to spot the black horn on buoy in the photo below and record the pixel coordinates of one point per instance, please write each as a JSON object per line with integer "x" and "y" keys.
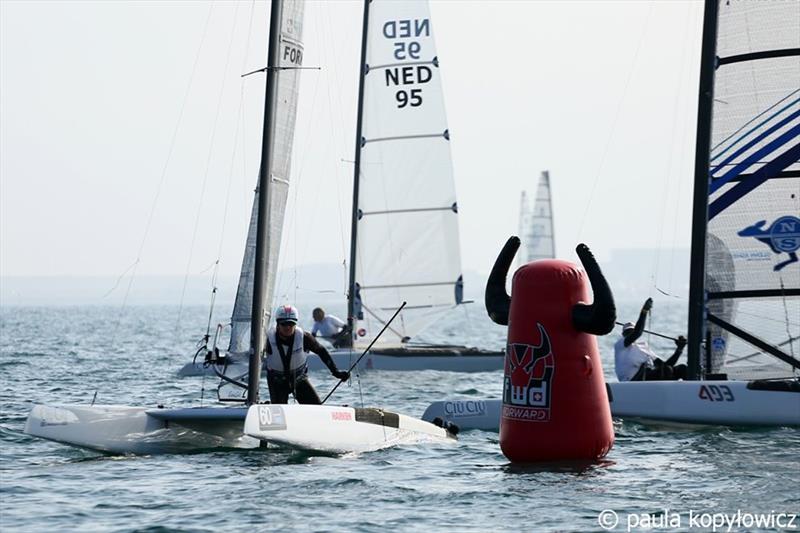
{"x": 599, "y": 317}
{"x": 496, "y": 298}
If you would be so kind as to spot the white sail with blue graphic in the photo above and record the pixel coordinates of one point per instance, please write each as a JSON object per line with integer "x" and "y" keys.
{"x": 752, "y": 266}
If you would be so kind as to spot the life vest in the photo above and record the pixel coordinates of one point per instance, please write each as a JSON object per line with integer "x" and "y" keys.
{"x": 296, "y": 356}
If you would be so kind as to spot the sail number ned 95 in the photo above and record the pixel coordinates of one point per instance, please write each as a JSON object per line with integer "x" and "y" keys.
{"x": 408, "y": 76}
{"x": 716, "y": 393}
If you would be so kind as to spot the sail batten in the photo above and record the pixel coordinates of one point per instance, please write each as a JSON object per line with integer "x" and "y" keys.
{"x": 763, "y": 54}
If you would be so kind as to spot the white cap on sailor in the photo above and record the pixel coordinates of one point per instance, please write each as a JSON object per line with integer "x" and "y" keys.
{"x": 286, "y": 313}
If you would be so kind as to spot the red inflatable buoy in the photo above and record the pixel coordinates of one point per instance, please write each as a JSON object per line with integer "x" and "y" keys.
{"x": 555, "y": 403}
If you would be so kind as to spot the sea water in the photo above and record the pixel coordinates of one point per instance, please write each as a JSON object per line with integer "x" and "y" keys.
{"x": 655, "y": 478}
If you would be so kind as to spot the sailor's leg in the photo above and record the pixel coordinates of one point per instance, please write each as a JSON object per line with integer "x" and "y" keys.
{"x": 304, "y": 392}
{"x": 680, "y": 372}
{"x": 278, "y": 389}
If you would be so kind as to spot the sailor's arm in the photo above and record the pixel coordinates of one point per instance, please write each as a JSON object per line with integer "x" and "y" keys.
{"x": 680, "y": 342}
{"x": 639, "y": 328}
{"x": 310, "y": 344}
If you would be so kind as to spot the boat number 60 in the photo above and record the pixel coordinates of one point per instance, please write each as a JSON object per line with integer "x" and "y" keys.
{"x": 264, "y": 415}
{"x": 716, "y": 393}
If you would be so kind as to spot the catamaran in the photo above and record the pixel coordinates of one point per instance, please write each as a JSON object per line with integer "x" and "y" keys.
{"x": 744, "y": 295}
{"x": 404, "y": 241}
{"x": 129, "y": 429}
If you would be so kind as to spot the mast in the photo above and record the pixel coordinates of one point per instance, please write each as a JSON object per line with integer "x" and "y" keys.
{"x": 702, "y": 178}
{"x": 262, "y": 235}
{"x": 351, "y": 290}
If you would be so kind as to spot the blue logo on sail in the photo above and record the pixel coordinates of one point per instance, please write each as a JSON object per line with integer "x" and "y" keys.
{"x": 783, "y": 236}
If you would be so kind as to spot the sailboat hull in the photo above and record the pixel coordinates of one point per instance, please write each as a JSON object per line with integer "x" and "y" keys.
{"x": 199, "y": 369}
{"x": 118, "y": 429}
{"x": 444, "y": 358}
{"x": 729, "y": 403}
{"x": 337, "y": 430}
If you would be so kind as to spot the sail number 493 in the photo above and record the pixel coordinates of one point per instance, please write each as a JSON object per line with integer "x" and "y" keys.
{"x": 716, "y": 393}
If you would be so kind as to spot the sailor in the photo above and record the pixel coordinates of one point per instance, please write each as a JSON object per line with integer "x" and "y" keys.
{"x": 635, "y": 361}
{"x": 287, "y": 351}
{"x": 330, "y": 327}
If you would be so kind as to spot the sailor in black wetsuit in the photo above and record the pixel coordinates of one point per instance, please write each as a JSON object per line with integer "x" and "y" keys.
{"x": 287, "y": 352}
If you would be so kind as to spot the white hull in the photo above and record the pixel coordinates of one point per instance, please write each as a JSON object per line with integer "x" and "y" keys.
{"x": 119, "y": 429}
{"x": 198, "y": 369}
{"x": 730, "y": 403}
{"x": 237, "y": 365}
{"x": 337, "y": 430}
{"x": 444, "y": 358}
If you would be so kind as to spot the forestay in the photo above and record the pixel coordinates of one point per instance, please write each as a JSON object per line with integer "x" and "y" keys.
{"x": 536, "y": 224}
{"x": 291, "y": 55}
{"x": 753, "y": 272}
{"x": 407, "y": 246}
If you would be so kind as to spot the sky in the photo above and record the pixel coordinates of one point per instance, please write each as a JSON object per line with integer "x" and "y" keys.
{"x": 123, "y": 148}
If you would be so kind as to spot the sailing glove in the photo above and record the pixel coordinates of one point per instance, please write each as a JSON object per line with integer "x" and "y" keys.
{"x": 342, "y": 375}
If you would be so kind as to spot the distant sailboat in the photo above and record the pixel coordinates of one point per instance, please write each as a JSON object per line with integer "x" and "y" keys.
{"x": 744, "y": 296}
{"x": 404, "y": 233}
{"x": 404, "y": 223}
{"x": 536, "y": 224}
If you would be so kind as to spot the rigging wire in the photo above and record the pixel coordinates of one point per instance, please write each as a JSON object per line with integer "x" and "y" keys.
{"x": 615, "y": 120}
{"x": 345, "y": 148}
{"x": 207, "y": 170}
{"x": 692, "y": 19}
{"x": 668, "y": 181}
{"x": 163, "y": 177}
{"x": 300, "y": 251}
{"x": 786, "y": 314}
{"x": 119, "y": 279}
{"x": 236, "y": 141}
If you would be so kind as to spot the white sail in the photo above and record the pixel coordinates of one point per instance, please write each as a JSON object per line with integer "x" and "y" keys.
{"x": 291, "y": 55}
{"x": 536, "y": 224}
{"x": 407, "y": 245}
{"x": 753, "y": 272}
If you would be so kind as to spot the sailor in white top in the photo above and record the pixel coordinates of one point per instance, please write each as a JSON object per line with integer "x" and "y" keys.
{"x": 634, "y": 361}
{"x": 330, "y": 327}
{"x": 628, "y": 360}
